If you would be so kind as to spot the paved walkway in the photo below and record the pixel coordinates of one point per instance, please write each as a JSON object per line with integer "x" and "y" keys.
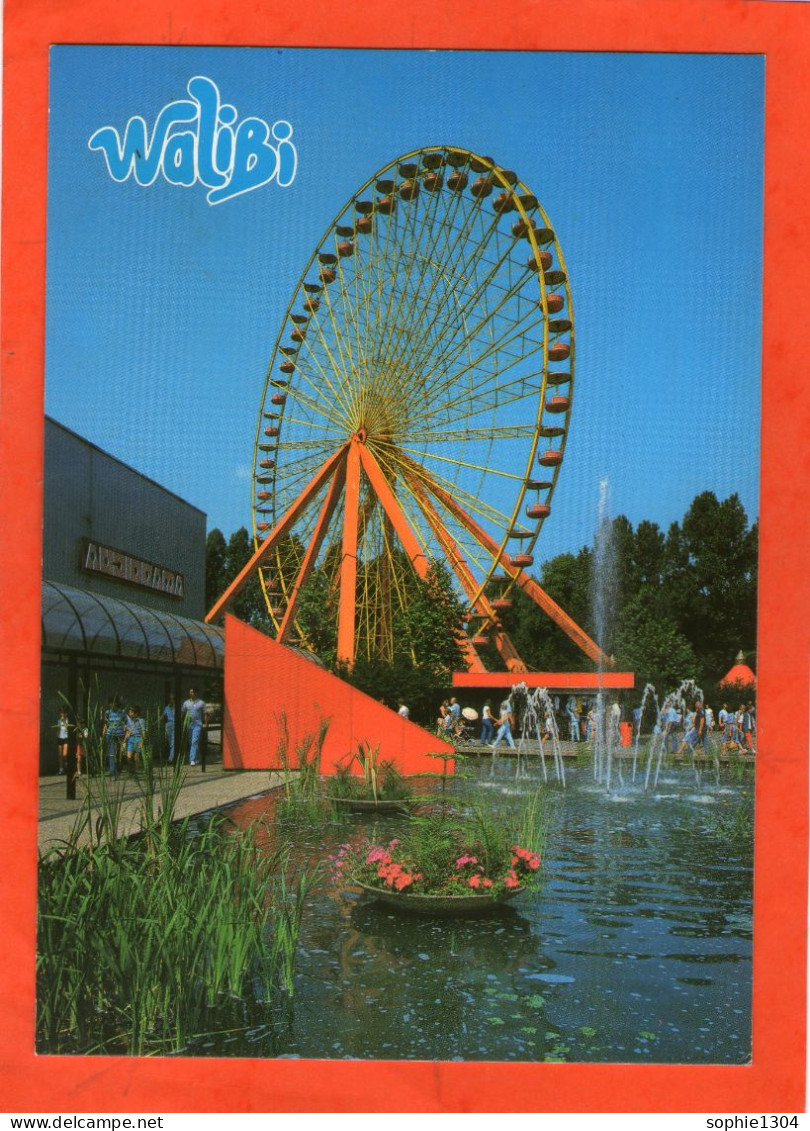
{"x": 200, "y": 792}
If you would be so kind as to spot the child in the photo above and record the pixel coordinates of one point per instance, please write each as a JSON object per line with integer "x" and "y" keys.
{"x": 134, "y": 736}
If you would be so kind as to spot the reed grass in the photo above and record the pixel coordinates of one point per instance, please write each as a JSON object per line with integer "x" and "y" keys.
{"x": 301, "y": 801}
{"x": 145, "y": 943}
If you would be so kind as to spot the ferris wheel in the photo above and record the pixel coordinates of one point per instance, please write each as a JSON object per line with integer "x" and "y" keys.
{"x": 416, "y": 406}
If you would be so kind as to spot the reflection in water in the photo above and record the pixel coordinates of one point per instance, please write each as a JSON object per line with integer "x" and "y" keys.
{"x": 637, "y": 949}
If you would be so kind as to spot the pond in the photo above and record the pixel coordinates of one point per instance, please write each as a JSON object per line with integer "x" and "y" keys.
{"x": 637, "y": 949}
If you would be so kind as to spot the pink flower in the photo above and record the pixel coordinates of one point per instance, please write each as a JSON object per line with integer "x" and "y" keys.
{"x": 402, "y": 881}
{"x": 511, "y": 880}
{"x": 474, "y": 881}
{"x": 462, "y": 860}
{"x": 487, "y": 883}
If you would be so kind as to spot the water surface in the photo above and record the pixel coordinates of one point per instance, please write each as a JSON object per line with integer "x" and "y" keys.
{"x": 638, "y": 948}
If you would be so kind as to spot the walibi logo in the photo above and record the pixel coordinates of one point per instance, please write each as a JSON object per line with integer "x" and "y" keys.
{"x": 199, "y": 140}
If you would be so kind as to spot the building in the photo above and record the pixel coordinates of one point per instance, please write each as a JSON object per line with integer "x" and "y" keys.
{"x": 123, "y": 590}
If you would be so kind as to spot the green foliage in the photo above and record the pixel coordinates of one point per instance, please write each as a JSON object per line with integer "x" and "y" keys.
{"x": 301, "y": 800}
{"x": 649, "y": 644}
{"x": 380, "y": 780}
{"x": 470, "y": 851}
{"x": 427, "y": 631}
{"x": 144, "y": 943}
{"x": 681, "y": 604}
{"x": 223, "y": 562}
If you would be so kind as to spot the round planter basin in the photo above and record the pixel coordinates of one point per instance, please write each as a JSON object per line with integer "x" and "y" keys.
{"x": 444, "y": 905}
{"x": 369, "y": 805}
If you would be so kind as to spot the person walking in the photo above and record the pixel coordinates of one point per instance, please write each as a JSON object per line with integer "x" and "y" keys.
{"x": 193, "y": 718}
{"x": 62, "y": 736}
{"x": 487, "y": 726}
{"x": 168, "y": 721}
{"x": 113, "y": 731}
{"x": 505, "y": 728}
{"x": 133, "y": 737}
{"x": 573, "y": 721}
{"x": 696, "y": 730}
{"x": 455, "y": 715}
{"x": 403, "y": 711}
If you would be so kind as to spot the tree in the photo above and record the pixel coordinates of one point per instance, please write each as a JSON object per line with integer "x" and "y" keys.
{"x": 223, "y": 562}
{"x": 709, "y": 581}
{"x": 216, "y": 577}
{"x": 650, "y": 645}
{"x": 542, "y": 644}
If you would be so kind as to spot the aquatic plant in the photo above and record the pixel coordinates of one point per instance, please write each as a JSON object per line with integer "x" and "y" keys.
{"x": 145, "y": 942}
{"x": 380, "y": 780}
{"x": 301, "y": 801}
{"x": 468, "y": 853}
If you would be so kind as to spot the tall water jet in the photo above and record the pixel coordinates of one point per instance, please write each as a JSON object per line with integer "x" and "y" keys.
{"x": 603, "y": 599}
{"x": 678, "y": 701}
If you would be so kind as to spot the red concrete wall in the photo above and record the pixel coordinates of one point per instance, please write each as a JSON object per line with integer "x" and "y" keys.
{"x": 263, "y": 679}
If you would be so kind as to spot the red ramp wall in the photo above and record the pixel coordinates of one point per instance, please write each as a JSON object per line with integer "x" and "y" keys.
{"x": 263, "y": 679}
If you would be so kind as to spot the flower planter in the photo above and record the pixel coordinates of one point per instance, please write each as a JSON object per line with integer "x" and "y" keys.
{"x": 369, "y": 805}
{"x": 444, "y": 905}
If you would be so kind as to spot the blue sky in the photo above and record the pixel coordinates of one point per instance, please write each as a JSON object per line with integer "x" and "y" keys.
{"x": 162, "y": 311}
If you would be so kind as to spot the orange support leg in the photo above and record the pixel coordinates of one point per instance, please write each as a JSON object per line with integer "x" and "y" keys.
{"x": 458, "y": 564}
{"x": 315, "y": 543}
{"x": 348, "y": 562}
{"x": 527, "y": 584}
{"x": 410, "y": 543}
{"x": 278, "y": 531}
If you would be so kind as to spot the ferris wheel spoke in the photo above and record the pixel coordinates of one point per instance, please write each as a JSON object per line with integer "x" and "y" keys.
{"x": 449, "y": 436}
{"x": 428, "y": 256}
{"x": 451, "y": 307}
{"x": 496, "y": 351}
{"x": 342, "y": 365}
{"x": 448, "y": 374}
{"x": 316, "y": 425}
{"x": 408, "y": 467}
{"x": 444, "y": 283}
{"x": 472, "y": 255}
{"x": 346, "y": 279}
{"x": 456, "y": 556}
{"x": 391, "y": 344}
{"x": 531, "y": 318}
{"x": 524, "y": 386}
{"x": 315, "y": 541}
{"x": 329, "y": 371}
{"x": 416, "y": 504}
{"x": 461, "y": 463}
{"x": 332, "y": 410}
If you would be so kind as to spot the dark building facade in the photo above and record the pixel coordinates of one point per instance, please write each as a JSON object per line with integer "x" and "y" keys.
{"x": 123, "y": 590}
{"x": 105, "y": 525}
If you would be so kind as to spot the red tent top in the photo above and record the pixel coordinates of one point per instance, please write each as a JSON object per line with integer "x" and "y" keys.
{"x": 740, "y": 673}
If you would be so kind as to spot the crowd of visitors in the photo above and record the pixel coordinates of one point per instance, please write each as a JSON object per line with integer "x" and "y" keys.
{"x": 731, "y": 730}
{"x": 575, "y": 718}
{"x": 123, "y": 731}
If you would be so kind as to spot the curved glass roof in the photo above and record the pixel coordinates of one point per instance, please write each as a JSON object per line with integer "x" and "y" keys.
{"x": 74, "y": 620}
